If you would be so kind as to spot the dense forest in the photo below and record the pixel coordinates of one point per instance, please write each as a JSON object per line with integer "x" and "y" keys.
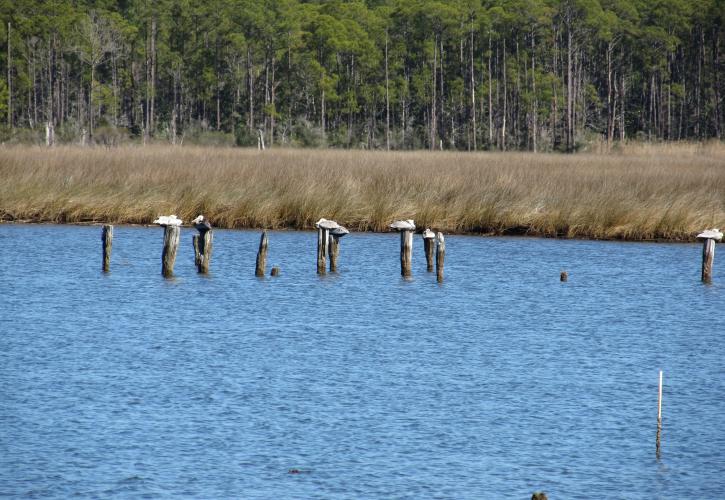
{"x": 381, "y": 74}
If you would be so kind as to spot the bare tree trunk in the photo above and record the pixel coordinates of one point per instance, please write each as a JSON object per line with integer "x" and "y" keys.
{"x": 153, "y": 74}
{"x": 505, "y": 99}
{"x": 569, "y": 90}
{"x": 473, "y": 98}
{"x": 387, "y": 96}
{"x": 433, "y": 98}
{"x": 250, "y": 81}
{"x": 535, "y": 112}
{"x": 10, "y": 83}
{"x": 490, "y": 93}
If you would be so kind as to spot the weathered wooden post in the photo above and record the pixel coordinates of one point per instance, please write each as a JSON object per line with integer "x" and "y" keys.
{"x": 107, "y": 238}
{"x": 202, "y": 244}
{"x": 262, "y": 256}
{"x": 172, "y": 233}
{"x": 440, "y": 256}
{"x": 275, "y": 271}
{"x": 323, "y": 235}
{"x": 334, "y": 242}
{"x": 428, "y": 246}
{"x": 709, "y": 238}
{"x": 659, "y": 416}
{"x": 564, "y": 276}
{"x": 539, "y": 495}
{"x": 406, "y": 228}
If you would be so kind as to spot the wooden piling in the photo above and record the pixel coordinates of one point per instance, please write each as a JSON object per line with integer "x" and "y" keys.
{"x": 275, "y": 271}
{"x": 262, "y": 256}
{"x": 334, "y": 250}
{"x": 107, "y": 238}
{"x": 564, "y": 276}
{"x": 406, "y": 253}
{"x": 659, "y": 416}
{"x": 322, "y": 241}
{"x": 429, "y": 248}
{"x": 172, "y": 235}
{"x": 709, "y": 237}
{"x": 440, "y": 256}
{"x": 708, "y": 256}
{"x": 204, "y": 242}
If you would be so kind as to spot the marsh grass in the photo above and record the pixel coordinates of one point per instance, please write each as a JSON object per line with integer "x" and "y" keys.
{"x": 638, "y": 192}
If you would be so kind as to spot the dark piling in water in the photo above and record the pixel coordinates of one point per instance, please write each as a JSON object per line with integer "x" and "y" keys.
{"x": 262, "y": 256}
{"x": 107, "y": 239}
{"x": 323, "y": 236}
{"x": 564, "y": 276}
{"x": 429, "y": 249}
{"x": 202, "y": 250}
{"x": 275, "y": 271}
{"x": 440, "y": 256}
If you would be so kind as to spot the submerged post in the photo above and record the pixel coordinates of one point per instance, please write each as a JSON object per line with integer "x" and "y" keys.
{"x": 275, "y": 271}
{"x": 709, "y": 238}
{"x": 428, "y": 247}
{"x": 564, "y": 276}
{"x": 323, "y": 235}
{"x": 659, "y": 416}
{"x": 440, "y": 256}
{"x": 202, "y": 244}
{"x": 406, "y": 228}
{"x": 262, "y": 256}
{"x": 107, "y": 238}
{"x": 334, "y": 242}
{"x": 172, "y": 232}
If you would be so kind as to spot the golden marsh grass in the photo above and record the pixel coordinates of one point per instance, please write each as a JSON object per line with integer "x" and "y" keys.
{"x": 641, "y": 192}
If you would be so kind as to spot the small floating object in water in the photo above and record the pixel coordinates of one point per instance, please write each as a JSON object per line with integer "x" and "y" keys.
{"x": 201, "y": 224}
{"x": 168, "y": 220}
{"x": 326, "y": 224}
{"x": 713, "y": 234}
{"x": 403, "y": 225}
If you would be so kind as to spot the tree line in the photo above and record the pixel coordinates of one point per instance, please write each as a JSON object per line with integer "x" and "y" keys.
{"x": 380, "y": 74}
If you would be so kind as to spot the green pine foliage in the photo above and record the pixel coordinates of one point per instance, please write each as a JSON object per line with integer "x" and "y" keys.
{"x": 536, "y": 75}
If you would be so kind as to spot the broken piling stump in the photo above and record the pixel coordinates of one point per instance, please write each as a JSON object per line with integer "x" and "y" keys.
{"x": 262, "y": 257}
{"x": 107, "y": 238}
{"x": 334, "y": 245}
{"x": 172, "y": 233}
{"x": 564, "y": 276}
{"x": 323, "y": 235}
{"x": 202, "y": 244}
{"x": 440, "y": 256}
{"x": 429, "y": 248}
{"x": 406, "y": 228}
{"x": 709, "y": 238}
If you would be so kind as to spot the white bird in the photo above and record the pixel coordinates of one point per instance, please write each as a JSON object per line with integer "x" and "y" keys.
{"x": 168, "y": 220}
{"x": 713, "y": 233}
{"x": 339, "y": 231}
{"x": 326, "y": 224}
{"x": 428, "y": 234}
{"x": 403, "y": 225}
{"x": 201, "y": 224}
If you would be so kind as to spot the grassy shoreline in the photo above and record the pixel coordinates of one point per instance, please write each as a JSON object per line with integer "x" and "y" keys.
{"x": 643, "y": 192}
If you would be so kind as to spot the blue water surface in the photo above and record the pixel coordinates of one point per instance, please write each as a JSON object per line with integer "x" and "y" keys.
{"x": 500, "y": 382}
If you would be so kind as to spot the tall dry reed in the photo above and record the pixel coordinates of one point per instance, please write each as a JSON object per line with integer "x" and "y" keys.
{"x": 637, "y": 193}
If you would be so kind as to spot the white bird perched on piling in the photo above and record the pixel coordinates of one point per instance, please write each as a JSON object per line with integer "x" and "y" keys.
{"x": 326, "y": 224}
{"x": 428, "y": 234}
{"x": 201, "y": 224}
{"x": 403, "y": 225}
{"x": 168, "y": 220}
{"x": 339, "y": 232}
{"x": 713, "y": 233}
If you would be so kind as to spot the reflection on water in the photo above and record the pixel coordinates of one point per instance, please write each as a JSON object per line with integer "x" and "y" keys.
{"x": 499, "y": 382}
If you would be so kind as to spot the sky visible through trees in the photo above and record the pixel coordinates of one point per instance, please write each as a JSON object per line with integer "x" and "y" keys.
{"x": 536, "y": 75}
